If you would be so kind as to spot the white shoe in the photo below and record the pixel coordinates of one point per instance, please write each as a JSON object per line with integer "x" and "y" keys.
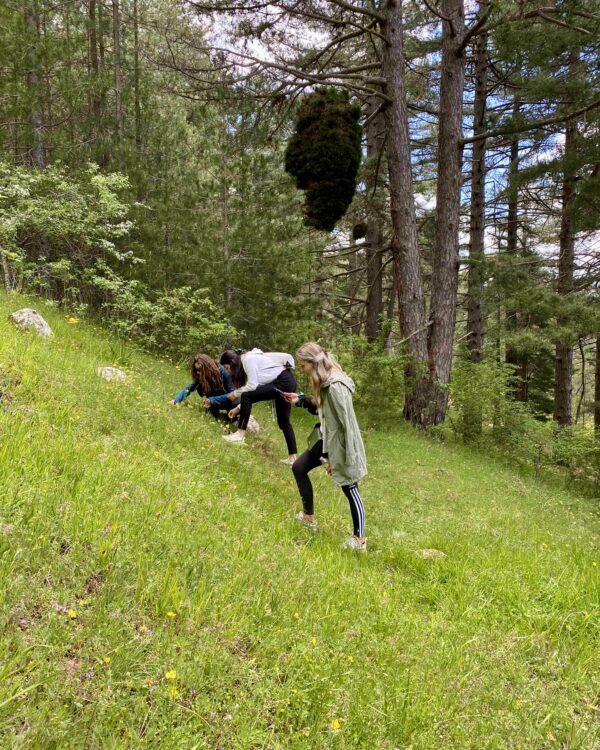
{"x": 253, "y": 425}
{"x": 312, "y": 525}
{"x": 235, "y": 438}
{"x": 353, "y": 543}
{"x": 288, "y": 461}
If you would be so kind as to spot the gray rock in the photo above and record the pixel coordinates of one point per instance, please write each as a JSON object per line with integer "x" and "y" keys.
{"x": 28, "y": 318}
{"x": 431, "y": 554}
{"x": 112, "y": 374}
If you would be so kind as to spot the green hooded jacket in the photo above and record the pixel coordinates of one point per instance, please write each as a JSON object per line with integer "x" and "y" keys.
{"x": 341, "y": 434}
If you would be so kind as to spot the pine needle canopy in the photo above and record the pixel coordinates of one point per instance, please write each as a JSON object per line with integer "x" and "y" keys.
{"x": 324, "y": 155}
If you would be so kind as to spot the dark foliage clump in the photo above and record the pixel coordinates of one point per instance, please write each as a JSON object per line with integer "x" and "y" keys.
{"x": 324, "y": 155}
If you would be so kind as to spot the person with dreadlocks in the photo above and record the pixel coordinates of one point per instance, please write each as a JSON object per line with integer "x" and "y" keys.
{"x": 212, "y": 383}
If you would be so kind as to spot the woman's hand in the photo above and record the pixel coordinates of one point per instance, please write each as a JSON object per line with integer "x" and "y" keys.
{"x": 291, "y": 398}
{"x": 231, "y": 396}
{"x": 173, "y": 402}
{"x": 327, "y": 468}
{"x": 232, "y": 414}
{"x": 206, "y": 403}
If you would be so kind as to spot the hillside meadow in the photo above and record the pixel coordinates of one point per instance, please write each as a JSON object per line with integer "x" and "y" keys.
{"x": 156, "y": 591}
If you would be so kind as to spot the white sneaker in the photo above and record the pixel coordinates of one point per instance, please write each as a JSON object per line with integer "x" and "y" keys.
{"x": 353, "y": 543}
{"x": 312, "y": 525}
{"x": 288, "y": 461}
{"x": 235, "y": 438}
{"x": 253, "y": 425}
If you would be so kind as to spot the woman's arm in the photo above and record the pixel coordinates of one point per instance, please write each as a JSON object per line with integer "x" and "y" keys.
{"x": 250, "y": 364}
{"x": 221, "y": 400}
{"x": 185, "y": 392}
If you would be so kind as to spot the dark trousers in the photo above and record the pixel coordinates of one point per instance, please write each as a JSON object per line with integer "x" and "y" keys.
{"x": 310, "y": 460}
{"x": 286, "y": 382}
{"x": 219, "y": 411}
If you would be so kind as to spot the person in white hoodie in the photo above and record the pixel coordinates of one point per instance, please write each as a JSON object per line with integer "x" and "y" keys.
{"x": 261, "y": 376}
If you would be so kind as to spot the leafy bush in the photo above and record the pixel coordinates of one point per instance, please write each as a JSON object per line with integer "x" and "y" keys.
{"x": 54, "y": 224}
{"x": 379, "y": 380}
{"x": 179, "y": 321}
{"x": 61, "y": 236}
{"x": 578, "y": 449}
{"x": 481, "y": 407}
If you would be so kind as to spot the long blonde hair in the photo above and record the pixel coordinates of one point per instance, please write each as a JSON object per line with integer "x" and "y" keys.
{"x": 322, "y": 363}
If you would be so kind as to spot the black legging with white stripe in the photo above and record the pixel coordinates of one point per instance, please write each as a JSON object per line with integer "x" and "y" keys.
{"x": 310, "y": 460}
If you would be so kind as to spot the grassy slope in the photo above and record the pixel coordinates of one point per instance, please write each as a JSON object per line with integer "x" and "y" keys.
{"x": 175, "y": 551}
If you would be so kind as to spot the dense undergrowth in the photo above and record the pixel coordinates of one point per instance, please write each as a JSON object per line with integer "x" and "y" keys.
{"x": 156, "y": 591}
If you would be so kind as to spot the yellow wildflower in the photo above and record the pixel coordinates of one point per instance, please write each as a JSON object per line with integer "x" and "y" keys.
{"x": 107, "y": 659}
{"x": 72, "y": 320}
{"x": 72, "y": 614}
{"x": 335, "y": 725}
{"x": 313, "y": 640}
{"x": 173, "y": 692}
{"x": 169, "y": 614}
{"x": 350, "y": 658}
{"x": 171, "y": 674}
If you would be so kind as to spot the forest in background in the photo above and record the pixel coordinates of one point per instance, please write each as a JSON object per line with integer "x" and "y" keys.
{"x": 142, "y": 180}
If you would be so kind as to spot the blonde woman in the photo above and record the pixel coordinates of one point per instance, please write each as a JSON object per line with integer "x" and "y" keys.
{"x": 335, "y": 442}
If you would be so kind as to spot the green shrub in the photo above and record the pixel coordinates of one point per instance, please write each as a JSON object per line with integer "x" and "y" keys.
{"x": 178, "y": 322}
{"x": 578, "y": 449}
{"x": 481, "y": 407}
{"x": 379, "y": 380}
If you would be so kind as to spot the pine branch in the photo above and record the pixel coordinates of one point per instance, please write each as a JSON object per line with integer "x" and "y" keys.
{"x": 532, "y": 125}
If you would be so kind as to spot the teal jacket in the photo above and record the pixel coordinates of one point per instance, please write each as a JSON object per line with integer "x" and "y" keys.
{"x": 342, "y": 442}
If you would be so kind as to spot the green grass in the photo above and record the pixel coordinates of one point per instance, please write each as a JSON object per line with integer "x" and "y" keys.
{"x": 174, "y": 551}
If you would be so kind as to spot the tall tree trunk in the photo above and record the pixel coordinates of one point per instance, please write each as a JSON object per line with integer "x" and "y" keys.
{"x": 597, "y": 389}
{"x": 354, "y": 278}
{"x": 116, "y": 15}
{"x": 136, "y": 78}
{"x": 95, "y": 94}
{"x": 563, "y": 363}
{"x": 36, "y": 117}
{"x": 374, "y": 235}
{"x": 9, "y": 279}
{"x": 445, "y": 248}
{"x": 581, "y": 401}
{"x": 404, "y": 243}
{"x": 513, "y": 317}
{"x": 475, "y": 316}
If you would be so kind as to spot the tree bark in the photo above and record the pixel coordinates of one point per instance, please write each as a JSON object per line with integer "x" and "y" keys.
{"x": 136, "y": 78}
{"x": 563, "y": 363}
{"x": 520, "y": 389}
{"x": 116, "y": 15}
{"x": 95, "y": 94}
{"x": 374, "y": 235}
{"x": 445, "y": 247}
{"x": 475, "y": 283}
{"x": 404, "y": 242}
{"x": 597, "y": 389}
{"x": 36, "y": 117}
{"x": 9, "y": 280}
